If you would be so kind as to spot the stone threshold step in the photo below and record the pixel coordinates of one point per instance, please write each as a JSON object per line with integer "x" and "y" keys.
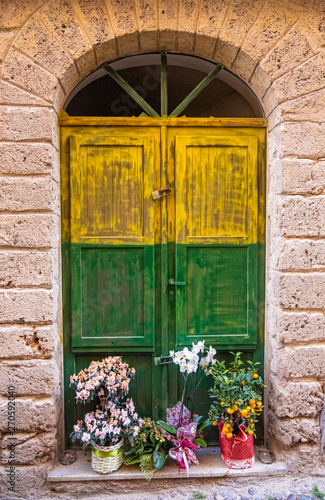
{"x": 211, "y": 465}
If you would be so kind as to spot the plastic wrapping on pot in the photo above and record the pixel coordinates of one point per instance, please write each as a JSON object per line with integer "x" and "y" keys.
{"x": 237, "y": 452}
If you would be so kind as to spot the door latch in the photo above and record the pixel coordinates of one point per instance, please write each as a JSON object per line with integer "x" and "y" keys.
{"x": 163, "y": 360}
{"x": 175, "y": 283}
{"x": 161, "y": 193}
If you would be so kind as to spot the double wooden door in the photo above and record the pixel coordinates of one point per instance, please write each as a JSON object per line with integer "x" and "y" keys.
{"x": 147, "y": 270}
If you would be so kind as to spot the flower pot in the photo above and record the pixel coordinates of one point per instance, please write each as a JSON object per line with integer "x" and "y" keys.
{"x": 107, "y": 459}
{"x": 237, "y": 452}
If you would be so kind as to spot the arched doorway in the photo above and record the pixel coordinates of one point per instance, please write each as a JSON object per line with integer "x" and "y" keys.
{"x": 163, "y": 222}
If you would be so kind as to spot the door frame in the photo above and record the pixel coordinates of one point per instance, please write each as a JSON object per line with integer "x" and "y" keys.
{"x": 66, "y": 123}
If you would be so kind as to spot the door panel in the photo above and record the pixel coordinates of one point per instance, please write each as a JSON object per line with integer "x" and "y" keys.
{"x": 216, "y": 237}
{"x": 112, "y": 238}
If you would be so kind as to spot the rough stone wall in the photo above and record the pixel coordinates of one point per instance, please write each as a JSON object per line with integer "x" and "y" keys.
{"x": 46, "y": 48}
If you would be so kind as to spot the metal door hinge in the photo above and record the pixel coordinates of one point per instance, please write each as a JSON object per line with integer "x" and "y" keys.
{"x": 161, "y": 193}
{"x": 163, "y": 360}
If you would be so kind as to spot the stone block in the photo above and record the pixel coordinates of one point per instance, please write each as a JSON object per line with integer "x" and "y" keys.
{"x": 303, "y": 216}
{"x": 308, "y": 77}
{"x": 21, "y": 71}
{"x": 297, "y": 46}
{"x": 28, "y": 479}
{"x": 31, "y": 414}
{"x": 94, "y": 17}
{"x": 147, "y": 15}
{"x": 188, "y": 15}
{"x": 291, "y": 431}
{"x": 185, "y": 41}
{"x": 302, "y": 291}
{"x": 31, "y": 306}
{"x": 299, "y": 362}
{"x": 303, "y": 139}
{"x": 205, "y": 46}
{"x": 27, "y": 231}
{"x": 270, "y": 27}
{"x": 209, "y": 19}
{"x": 12, "y": 16}
{"x": 20, "y": 194}
{"x": 60, "y": 18}
{"x": 128, "y": 43}
{"x": 28, "y": 124}
{"x": 243, "y": 66}
{"x": 30, "y": 448}
{"x": 148, "y": 40}
{"x": 310, "y": 105}
{"x": 26, "y": 159}
{"x": 21, "y": 269}
{"x": 295, "y": 399}
{"x": 35, "y": 38}
{"x": 301, "y": 327}
{"x": 302, "y": 176}
{"x": 238, "y": 21}
{"x": 225, "y": 52}
{"x": 260, "y": 82}
{"x": 122, "y": 16}
{"x": 6, "y": 38}
{"x": 28, "y": 377}
{"x": 270, "y": 101}
{"x": 168, "y": 16}
{"x": 12, "y": 95}
{"x": 21, "y": 342}
{"x": 302, "y": 255}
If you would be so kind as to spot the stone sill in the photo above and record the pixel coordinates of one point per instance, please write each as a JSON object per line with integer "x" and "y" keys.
{"x": 211, "y": 465}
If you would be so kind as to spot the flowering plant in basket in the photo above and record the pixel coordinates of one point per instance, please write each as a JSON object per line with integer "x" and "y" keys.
{"x": 183, "y": 428}
{"x": 237, "y": 405}
{"x": 108, "y": 381}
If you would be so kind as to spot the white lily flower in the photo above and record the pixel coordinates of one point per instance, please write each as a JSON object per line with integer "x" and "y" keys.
{"x": 195, "y": 348}
{"x": 212, "y": 351}
{"x": 200, "y": 345}
{"x": 186, "y": 353}
{"x": 172, "y": 353}
{"x": 183, "y": 366}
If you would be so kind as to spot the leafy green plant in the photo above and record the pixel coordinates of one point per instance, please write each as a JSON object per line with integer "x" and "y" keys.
{"x": 198, "y": 496}
{"x": 237, "y": 395}
{"x": 147, "y": 446}
{"x": 317, "y": 493}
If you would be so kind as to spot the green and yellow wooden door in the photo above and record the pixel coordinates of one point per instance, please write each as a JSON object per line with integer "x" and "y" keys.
{"x": 130, "y": 290}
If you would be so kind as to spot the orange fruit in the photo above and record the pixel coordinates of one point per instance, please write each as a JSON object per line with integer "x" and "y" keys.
{"x": 214, "y": 422}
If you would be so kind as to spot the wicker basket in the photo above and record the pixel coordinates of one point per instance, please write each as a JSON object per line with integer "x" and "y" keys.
{"x": 106, "y": 463}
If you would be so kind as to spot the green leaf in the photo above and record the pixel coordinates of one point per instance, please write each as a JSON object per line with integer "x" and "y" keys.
{"x": 204, "y": 424}
{"x": 134, "y": 460}
{"x": 201, "y": 442}
{"x": 168, "y": 428}
{"x": 198, "y": 419}
{"x": 159, "y": 458}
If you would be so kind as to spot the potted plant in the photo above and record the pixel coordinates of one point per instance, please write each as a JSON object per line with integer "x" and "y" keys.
{"x": 107, "y": 380}
{"x": 184, "y": 428}
{"x": 237, "y": 405}
{"x": 146, "y": 445}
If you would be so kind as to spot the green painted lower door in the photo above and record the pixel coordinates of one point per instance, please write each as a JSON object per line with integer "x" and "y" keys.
{"x": 117, "y": 263}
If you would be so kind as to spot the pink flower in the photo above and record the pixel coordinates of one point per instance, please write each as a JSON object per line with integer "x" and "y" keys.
{"x": 85, "y": 437}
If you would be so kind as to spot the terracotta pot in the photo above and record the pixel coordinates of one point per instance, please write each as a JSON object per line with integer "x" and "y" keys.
{"x": 237, "y": 452}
